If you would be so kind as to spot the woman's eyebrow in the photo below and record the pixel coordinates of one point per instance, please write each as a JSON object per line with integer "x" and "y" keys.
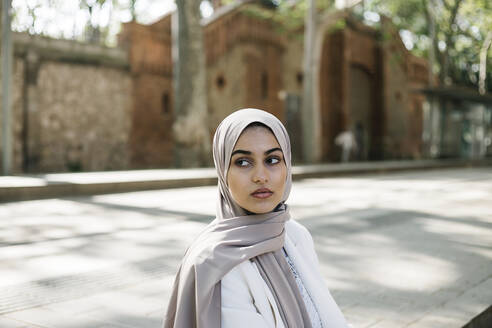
{"x": 247, "y": 152}
{"x": 240, "y": 151}
{"x": 272, "y": 150}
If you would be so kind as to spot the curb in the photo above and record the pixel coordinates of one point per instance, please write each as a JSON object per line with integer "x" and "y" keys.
{"x": 53, "y": 185}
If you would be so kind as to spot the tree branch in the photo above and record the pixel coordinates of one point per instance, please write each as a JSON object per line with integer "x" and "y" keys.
{"x": 449, "y": 40}
{"x": 483, "y": 63}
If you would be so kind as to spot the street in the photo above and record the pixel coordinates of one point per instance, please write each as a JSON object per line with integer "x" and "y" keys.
{"x": 407, "y": 249}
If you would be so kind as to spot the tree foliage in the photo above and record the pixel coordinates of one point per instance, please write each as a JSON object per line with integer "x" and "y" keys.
{"x": 461, "y": 27}
{"x": 288, "y": 15}
{"x": 93, "y": 28}
{"x": 95, "y": 21}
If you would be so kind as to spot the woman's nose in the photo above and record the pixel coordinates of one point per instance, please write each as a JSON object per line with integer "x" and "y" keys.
{"x": 260, "y": 175}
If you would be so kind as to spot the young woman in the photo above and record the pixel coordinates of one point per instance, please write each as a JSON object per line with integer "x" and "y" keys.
{"x": 253, "y": 266}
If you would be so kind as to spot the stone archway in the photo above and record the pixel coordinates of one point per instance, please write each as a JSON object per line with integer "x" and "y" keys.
{"x": 328, "y": 98}
{"x": 360, "y": 108}
{"x": 348, "y": 89}
{"x": 331, "y": 94}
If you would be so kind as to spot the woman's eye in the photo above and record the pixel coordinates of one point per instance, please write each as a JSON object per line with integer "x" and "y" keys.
{"x": 273, "y": 160}
{"x": 242, "y": 162}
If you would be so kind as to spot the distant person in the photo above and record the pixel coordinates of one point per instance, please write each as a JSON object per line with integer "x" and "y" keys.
{"x": 347, "y": 141}
{"x": 253, "y": 266}
{"x": 359, "y": 141}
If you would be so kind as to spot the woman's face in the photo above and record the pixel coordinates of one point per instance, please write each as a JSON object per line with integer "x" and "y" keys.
{"x": 257, "y": 172}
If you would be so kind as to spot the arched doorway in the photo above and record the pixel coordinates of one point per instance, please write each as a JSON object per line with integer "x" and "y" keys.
{"x": 331, "y": 94}
{"x": 361, "y": 101}
{"x": 348, "y": 94}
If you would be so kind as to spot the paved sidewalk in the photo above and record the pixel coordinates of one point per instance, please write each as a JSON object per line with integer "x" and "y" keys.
{"x": 26, "y": 187}
{"x": 398, "y": 250}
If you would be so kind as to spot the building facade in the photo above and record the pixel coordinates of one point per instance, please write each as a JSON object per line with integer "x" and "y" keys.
{"x": 366, "y": 79}
{"x": 86, "y": 108}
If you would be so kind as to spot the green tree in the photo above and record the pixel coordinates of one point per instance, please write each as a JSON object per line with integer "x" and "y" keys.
{"x": 132, "y": 5}
{"x": 93, "y": 29}
{"x": 456, "y": 31}
{"x": 479, "y": 33}
{"x": 190, "y": 132}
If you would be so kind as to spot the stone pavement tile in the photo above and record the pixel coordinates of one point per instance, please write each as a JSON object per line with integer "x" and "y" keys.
{"x": 474, "y": 274}
{"x": 11, "y": 323}
{"x": 345, "y": 300}
{"x": 122, "y": 319}
{"x": 483, "y": 291}
{"x": 374, "y": 314}
{"x": 154, "y": 293}
{"x": 389, "y": 323}
{"x": 141, "y": 305}
{"x": 357, "y": 320}
{"x": 154, "y": 288}
{"x": 48, "y": 318}
{"x": 158, "y": 313}
{"x": 117, "y": 308}
{"x": 402, "y": 315}
{"x": 460, "y": 310}
{"x": 435, "y": 321}
{"x": 111, "y": 302}
{"x": 75, "y": 307}
{"x": 121, "y": 302}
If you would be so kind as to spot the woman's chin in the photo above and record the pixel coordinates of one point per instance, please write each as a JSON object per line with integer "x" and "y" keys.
{"x": 259, "y": 209}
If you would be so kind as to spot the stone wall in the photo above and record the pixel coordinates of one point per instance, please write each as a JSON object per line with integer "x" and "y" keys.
{"x": 332, "y": 92}
{"x": 85, "y": 117}
{"x": 17, "y": 108}
{"x": 235, "y": 82}
{"x": 151, "y": 141}
{"x": 291, "y": 94}
{"x": 81, "y": 107}
{"x": 244, "y": 64}
{"x": 367, "y": 85}
{"x": 72, "y": 106}
{"x": 244, "y": 58}
{"x": 403, "y": 74}
{"x": 350, "y": 89}
{"x": 263, "y": 78}
{"x": 225, "y": 86}
{"x": 292, "y": 70}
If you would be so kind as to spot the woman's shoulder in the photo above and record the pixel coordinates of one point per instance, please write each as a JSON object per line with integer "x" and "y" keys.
{"x": 297, "y": 231}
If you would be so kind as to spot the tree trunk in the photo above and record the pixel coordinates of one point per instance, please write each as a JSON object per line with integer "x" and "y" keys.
{"x": 7, "y": 58}
{"x": 190, "y": 128}
{"x": 216, "y": 4}
{"x": 483, "y": 63}
{"x": 133, "y": 12}
{"x": 444, "y": 76}
{"x": 430, "y": 17}
{"x": 308, "y": 137}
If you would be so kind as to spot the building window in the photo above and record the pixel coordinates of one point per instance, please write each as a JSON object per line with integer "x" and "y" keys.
{"x": 264, "y": 85}
{"x": 165, "y": 103}
{"x": 299, "y": 78}
{"x": 220, "y": 81}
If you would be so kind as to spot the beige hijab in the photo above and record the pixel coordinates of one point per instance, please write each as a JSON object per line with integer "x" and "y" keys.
{"x": 234, "y": 237}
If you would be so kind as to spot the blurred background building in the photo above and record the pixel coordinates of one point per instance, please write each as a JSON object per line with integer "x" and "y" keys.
{"x": 86, "y": 107}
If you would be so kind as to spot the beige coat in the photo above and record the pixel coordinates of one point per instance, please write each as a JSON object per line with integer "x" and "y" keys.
{"x": 247, "y": 302}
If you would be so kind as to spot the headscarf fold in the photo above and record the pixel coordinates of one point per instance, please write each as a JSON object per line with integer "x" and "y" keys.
{"x": 234, "y": 237}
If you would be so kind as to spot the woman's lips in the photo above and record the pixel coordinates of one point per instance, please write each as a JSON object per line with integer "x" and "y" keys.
{"x": 262, "y": 193}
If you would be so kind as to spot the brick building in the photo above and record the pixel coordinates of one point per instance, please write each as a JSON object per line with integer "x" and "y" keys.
{"x": 366, "y": 80}
{"x": 243, "y": 70}
{"x": 82, "y": 107}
